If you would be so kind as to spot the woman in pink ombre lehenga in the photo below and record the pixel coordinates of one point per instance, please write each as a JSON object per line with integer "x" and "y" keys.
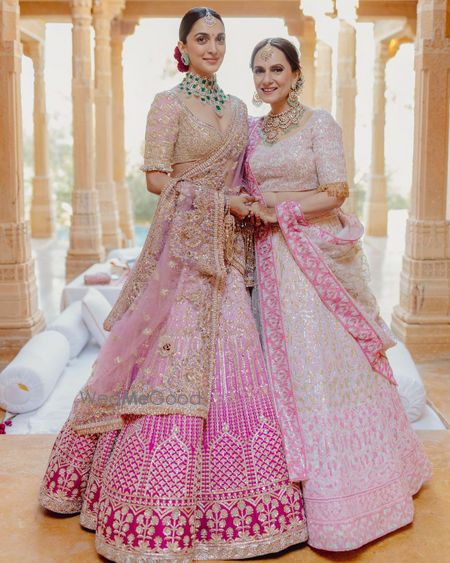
{"x": 172, "y": 451}
{"x": 324, "y": 340}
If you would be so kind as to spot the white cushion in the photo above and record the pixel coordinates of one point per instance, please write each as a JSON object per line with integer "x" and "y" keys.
{"x": 70, "y": 323}
{"x": 124, "y": 254}
{"x": 410, "y": 386}
{"x": 32, "y": 375}
{"x": 95, "y": 308}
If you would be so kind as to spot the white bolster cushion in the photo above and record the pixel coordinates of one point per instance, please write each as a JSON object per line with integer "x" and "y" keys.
{"x": 29, "y": 379}
{"x": 95, "y": 308}
{"x": 410, "y": 385}
{"x": 70, "y": 323}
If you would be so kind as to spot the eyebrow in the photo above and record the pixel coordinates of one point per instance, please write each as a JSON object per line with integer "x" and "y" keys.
{"x": 271, "y": 67}
{"x": 204, "y": 34}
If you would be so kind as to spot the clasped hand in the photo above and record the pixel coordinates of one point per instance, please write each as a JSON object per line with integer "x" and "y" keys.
{"x": 246, "y": 207}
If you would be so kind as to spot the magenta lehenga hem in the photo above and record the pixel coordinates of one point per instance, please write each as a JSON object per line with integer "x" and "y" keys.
{"x": 235, "y": 550}
{"x": 177, "y": 487}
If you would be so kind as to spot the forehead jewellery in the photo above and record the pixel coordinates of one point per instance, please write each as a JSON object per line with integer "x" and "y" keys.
{"x": 210, "y": 20}
{"x": 267, "y": 51}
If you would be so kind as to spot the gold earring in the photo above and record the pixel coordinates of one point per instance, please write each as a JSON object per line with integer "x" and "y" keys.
{"x": 256, "y": 100}
{"x": 293, "y": 100}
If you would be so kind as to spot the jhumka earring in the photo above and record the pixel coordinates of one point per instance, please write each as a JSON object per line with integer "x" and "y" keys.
{"x": 256, "y": 100}
{"x": 185, "y": 59}
{"x": 293, "y": 100}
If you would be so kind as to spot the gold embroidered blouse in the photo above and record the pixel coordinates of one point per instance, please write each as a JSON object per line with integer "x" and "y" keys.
{"x": 174, "y": 134}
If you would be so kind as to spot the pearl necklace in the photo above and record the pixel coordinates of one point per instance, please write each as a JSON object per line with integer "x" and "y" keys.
{"x": 206, "y": 89}
{"x": 276, "y": 125}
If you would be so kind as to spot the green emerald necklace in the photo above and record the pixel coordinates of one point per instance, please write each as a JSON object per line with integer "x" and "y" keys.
{"x": 206, "y": 89}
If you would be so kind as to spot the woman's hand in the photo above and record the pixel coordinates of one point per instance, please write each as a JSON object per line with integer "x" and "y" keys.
{"x": 270, "y": 199}
{"x": 240, "y": 206}
{"x": 156, "y": 181}
{"x": 263, "y": 214}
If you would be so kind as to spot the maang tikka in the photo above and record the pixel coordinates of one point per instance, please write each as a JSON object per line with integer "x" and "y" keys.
{"x": 210, "y": 20}
{"x": 267, "y": 51}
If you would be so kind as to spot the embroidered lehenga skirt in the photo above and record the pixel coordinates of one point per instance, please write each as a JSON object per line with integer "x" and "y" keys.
{"x": 177, "y": 487}
{"x": 364, "y": 460}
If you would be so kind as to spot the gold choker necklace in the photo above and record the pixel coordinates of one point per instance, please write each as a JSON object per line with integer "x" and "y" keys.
{"x": 276, "y": 125}
{"x": 206, "y": 89}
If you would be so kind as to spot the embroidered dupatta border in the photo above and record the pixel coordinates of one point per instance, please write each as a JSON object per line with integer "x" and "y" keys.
{"x": 332, "y": 294}
{"x": 274, "y": 337}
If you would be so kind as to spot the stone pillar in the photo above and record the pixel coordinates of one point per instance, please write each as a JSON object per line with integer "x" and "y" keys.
{"x": 323, "y": 76}
{"x": 85, "y": 232}
{"x": 42, "y": 219}
{"x": 119, "y": 31}
{"x": 345, "y": 102}
{"x": 307, "y": 53}
{"x": 422, "y": 319}
{"x": 20, "y": 317}
{"x": 376, "y": 202}
{"x": 303, "y": 29}
{"x": 106, "y": 187}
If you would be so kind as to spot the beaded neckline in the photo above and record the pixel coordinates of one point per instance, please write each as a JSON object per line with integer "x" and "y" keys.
{"x": 205, "y": 89}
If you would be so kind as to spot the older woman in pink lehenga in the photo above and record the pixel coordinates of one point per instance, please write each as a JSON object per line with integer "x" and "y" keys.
{"x": 172, "y": 451}
{"x": 324, "y": 340}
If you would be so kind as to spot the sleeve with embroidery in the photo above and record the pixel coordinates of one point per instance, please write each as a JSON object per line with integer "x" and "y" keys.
{"x": 329, "y": 156}
{"x": 161, "y": 134}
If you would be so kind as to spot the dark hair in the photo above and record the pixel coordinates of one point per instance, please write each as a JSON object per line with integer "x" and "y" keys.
{"x": 191, "y": 17}
{"x": 289, "y": 50}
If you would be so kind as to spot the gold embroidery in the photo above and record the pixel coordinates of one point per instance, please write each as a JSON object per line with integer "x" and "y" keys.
{"x": 195, "y": 199}
{"x": 166, "y": 347}
{"x": 335, "y": 189}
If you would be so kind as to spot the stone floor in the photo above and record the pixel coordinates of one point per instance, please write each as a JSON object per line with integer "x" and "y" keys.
{"x": 31, "y": 534}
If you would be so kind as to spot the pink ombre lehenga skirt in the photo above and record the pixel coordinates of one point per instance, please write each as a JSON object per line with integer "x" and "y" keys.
{"x": 179, "y": 488}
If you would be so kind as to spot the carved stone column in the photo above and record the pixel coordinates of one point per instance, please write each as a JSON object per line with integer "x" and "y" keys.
{"x": 345, "y": 102}
{"x": 103, "y": 14}
{"x": 119, "y": 31}
{"x": 20, "y": 317}
{"x": 85, "y": 233}
{"x": 422, "y": 319}
{"x": 376, "y": 202}
{"x": 42, "y": 219}
{"x": 303, "y": 29}
{"x": 323, "y": 76}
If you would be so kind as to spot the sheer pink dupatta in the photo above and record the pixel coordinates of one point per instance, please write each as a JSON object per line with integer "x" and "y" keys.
{"x": 160, "y": 355}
